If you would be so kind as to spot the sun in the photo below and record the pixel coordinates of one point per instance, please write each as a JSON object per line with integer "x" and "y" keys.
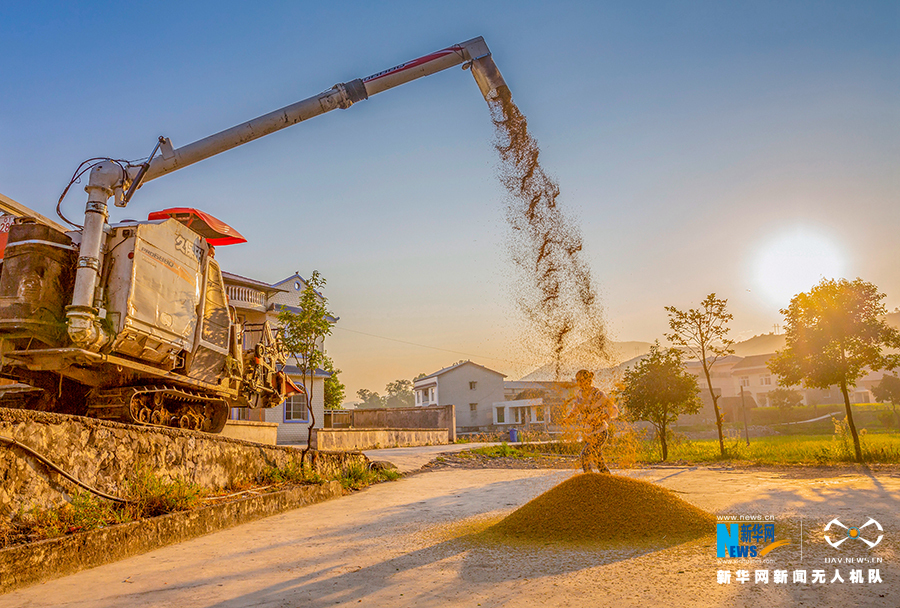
{"x": 794, "y": 261}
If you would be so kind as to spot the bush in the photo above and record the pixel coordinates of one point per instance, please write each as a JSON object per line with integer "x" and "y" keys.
{"x": 888, "y": 419}
{"x": 151, "y": 495}
{"x": 85, "y": 512}
{"x": 292, "y": 473}
{"x": 358, "y": 475}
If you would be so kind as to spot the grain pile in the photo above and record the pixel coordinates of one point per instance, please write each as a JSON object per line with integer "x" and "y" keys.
{"x": 607, "y": 509}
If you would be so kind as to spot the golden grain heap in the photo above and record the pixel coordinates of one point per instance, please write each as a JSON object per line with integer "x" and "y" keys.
{"x": 596, "y": 508}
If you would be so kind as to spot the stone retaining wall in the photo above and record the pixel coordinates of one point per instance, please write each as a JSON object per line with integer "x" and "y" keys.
{"x": 368, "y": 439}
{"x": 25, "y": 565}
{"x": 104, "y": 454}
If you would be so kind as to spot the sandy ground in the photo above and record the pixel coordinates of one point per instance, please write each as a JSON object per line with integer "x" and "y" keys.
{"x": 403, "y": 544}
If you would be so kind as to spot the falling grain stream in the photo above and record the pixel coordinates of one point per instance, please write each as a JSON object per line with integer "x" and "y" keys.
{"x": 554, "y": 289}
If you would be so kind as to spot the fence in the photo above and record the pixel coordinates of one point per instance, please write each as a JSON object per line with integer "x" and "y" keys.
{"x": 429, "y": 417}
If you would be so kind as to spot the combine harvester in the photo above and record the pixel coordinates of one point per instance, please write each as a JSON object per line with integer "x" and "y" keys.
{"x": 130, "y": 321}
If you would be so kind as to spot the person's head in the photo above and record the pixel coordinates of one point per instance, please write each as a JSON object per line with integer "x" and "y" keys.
{"x": 584, "y": 378}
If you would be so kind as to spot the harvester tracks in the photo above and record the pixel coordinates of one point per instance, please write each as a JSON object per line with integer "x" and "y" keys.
{"x": 159, "y": 406}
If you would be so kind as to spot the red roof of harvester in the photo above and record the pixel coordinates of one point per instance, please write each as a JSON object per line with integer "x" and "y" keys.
{"x": 215, "y": 231}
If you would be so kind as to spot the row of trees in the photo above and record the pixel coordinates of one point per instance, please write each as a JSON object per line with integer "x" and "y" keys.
{"x": 834, "y": 334}
{"x": 398, "y": 393}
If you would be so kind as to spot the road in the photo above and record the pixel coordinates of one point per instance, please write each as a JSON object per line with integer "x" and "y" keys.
{"x": 412, "y": 459}
{"x": 396, "y": 544}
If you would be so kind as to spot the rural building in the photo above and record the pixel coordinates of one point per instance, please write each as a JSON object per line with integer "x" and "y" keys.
{"x": 485, "y": 402}
{"x": 471, "y": 388}
{"x": 255, "y": 302}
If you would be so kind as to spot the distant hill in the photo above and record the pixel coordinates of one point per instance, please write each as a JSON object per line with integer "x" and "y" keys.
{"x": 584, "y": 356}
{"x": 759, "y": 345}
{"x": 626, "y": 354}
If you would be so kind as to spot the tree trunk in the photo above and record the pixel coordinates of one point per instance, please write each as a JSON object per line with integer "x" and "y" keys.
{"x": 662, "y": 441}
{"x": 850, "y": 422}
{"x": 715, "y": 401}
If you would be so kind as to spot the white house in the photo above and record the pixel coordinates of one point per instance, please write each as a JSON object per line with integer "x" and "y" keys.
{"x": 471, "y": 388}
{"x": 255, "y": 302}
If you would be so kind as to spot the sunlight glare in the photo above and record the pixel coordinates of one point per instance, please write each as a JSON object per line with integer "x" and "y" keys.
{"x": 793, "y": 262}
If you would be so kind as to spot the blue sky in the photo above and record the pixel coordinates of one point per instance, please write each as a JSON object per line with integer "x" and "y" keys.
{"x": 689, "y": 139}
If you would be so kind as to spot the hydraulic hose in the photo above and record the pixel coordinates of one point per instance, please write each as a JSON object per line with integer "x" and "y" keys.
{"x": 40, "y": 457}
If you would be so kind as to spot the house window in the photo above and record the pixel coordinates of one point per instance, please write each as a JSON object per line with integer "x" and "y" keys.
{"x": 501, "y": 418}
{"x": 539, "y": 414}
{"x": 473, "y": 407}
{"x": 431, "y": 394}
{"x": 767, "y": 380}
{"x": 745, "y": 381}
{"x": 472, "y": 385}
{"x": 295, "y": 409}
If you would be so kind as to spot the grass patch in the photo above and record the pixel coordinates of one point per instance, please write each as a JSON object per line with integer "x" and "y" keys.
{"x": 148, "y": 495}
{"x": 782, "y": 449}
{"x": 151, "y": 495}
{"x": 85, "y": 512}
{"x": 809, "y": 449}
{"x": 504, "y": 450}
{"x": 359, "y": 475}
{"x": 291, "y": 473}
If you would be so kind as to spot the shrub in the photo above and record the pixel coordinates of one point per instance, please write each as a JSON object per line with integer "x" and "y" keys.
{"x": 887, "y": 419}
{"x": 291, "y": 473}
{"x": 358, "y": 475}
{"x": 151, "y": 495}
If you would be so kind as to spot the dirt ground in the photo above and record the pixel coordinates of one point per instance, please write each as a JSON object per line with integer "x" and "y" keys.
{"x": 405, "y": 543}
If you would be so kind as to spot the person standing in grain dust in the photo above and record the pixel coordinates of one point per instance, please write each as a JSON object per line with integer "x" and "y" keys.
{"x": 589, "y": 412}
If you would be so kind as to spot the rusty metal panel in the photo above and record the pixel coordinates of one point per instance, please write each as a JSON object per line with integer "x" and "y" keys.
{"x": 159, "y": 316}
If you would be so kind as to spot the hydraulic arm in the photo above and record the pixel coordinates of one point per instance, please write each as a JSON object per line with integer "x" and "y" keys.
{"x": 109, "y": 179}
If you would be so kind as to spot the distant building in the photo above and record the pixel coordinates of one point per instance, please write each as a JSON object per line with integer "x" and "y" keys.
{"x": 255, "y": 302}
{"x": 470, "y": 387}
{"x": 485, "y": 402}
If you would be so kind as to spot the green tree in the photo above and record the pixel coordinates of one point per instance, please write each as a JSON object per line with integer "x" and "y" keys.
{"x": 785, "y": 398}
{"x": 888, "y": 389}
{"x": 703, "y": 333}
{"x": 334, "y": 388}
{"x": 658, "y": 389}
{"x": 370, "y": 399}
{"x": 833, "y": 333}
{"x": 303, "y": 335}
{"x": 399, "y": 394}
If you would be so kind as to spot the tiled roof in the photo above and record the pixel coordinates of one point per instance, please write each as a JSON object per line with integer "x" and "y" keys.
{"x": 454, "y": 366}
{"x": 753, "y": 361}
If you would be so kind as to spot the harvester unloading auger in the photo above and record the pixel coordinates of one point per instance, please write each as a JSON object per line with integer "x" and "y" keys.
{"x": 131, "y": 321}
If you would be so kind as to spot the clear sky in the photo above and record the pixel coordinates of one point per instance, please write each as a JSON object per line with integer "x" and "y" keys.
{"x": 739, "y": 148}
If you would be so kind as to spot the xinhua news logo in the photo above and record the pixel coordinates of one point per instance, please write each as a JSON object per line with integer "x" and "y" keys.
{"x": 746, "y": 539}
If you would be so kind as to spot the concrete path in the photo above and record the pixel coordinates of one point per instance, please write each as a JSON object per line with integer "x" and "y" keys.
{"x": 408, "y": 460}
{"x": 403, "y": 544}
